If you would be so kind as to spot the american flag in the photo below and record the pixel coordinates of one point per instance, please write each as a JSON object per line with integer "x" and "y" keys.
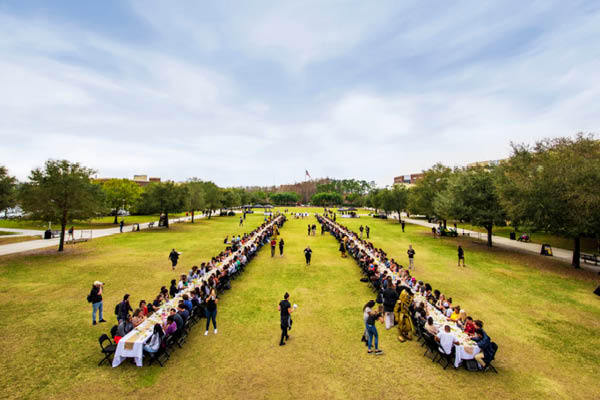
{"x": 307, "y": 174}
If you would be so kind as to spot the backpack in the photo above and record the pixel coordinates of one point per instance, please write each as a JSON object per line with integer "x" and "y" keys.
{"x": 89, "y": 298}
{"x": 471, "y": 365}
{"x": 117, "y": 309}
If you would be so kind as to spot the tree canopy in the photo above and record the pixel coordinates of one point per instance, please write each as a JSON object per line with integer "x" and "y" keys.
{"x": 61, "y": 192}
{"x": 121, "y": 194}
{"x": 7, "y": 189}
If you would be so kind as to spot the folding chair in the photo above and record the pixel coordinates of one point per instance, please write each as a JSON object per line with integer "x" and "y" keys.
{"x": 107, "y": 349}
{"x": 161, "y": 356}
{"x": 448, "y": 358}
{"x": 431, "y": 346}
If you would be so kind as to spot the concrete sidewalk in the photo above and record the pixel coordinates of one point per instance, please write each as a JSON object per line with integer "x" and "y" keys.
{"x": 534, "y": 248}
{"x": 19, "y": 247}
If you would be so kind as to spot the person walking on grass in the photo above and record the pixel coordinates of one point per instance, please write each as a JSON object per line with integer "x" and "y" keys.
{"x": 411, "y": 257}
{"x": 211, "y": 310}
{"x": 285, "y": 310}
{"x": 121, "y": 225}
{"x": 307, "y": 255}
{"x": 281, "y": 244}
{"x": 361, "y": 229}
{"x": 461, "y": 256}
{"x": 174, "y": 257}
{"x": 308, "y": 229}
{"x": 374, "y": 316}
{"x": 368, "y": 231}
{"x": 402, "y": 223}
{"x": 273, "y": 245}
{"x": 95, "y": 297}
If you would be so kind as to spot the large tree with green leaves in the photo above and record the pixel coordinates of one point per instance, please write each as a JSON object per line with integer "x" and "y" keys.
{"x": 231, "y": 198}
{"x": 285, "y": 198}
{"x": 470, "y": 195}
{"x": 195, "y": 196}
{"x": 166, "y": 197}
{"x": 61, "y": 192}
{"x": 213, "y": 197}
{"x": 423, "y": 193}
{"x": 121, "y": 194}
{"x": 7, "y": 190}
{"x": 326, "y": 199}
{"x": 397, "y": 199}
{"x": 553, "y": 186}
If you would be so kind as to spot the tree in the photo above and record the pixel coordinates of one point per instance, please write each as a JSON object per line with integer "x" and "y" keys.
{"x": 213, "y": 197}
{"x": 231, "y": 198}
{"x": 355, "y": 199}
{"x": 552, "y": 186}
{"x": 326, "y": 199}
{"x": 373, "y": 199}
{"x": 195, "y": 196}
{"x": 398, "y": 199}
{"x": 7, "y": 190}
{"x": 61, "y": 192}
{"x": 426, "y": 189}
{"x": 166, "y": 197}
{"x": 121, "y": 194}
{"x": 285, "y": 198}
{"x": 258, "y": 197}
{"x": 471, "y": 196}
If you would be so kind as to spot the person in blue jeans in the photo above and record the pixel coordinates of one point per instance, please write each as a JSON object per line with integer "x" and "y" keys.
{"x": 95, "y": 298}
{"x": 211, "y": 310}
{"x": 374, "y": 316}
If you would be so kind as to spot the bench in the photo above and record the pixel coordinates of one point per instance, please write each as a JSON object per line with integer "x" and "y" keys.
{"x": 151, "y": 225}
{"x": 589, "y": 258}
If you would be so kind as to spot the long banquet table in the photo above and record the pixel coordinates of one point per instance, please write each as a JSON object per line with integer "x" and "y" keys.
{"x": 467, "y": 348}
{"x": 132, "y": 344}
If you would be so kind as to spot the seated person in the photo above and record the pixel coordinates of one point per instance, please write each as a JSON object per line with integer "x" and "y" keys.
{"x": 178, "y": 320}
{"x": 455, "y": 313}
{"x": 143, "y": 307}
{"x": 125, "y": 326}
{"x": 469, "y": 326}
{"x": 461, "y": 321}
{"x": 446, "y": 340}
{"x": 138, "y": 317}
{"x": 484, "y": 343}
{"x": 183, "y": 312}
{"x": 430, "y": 327}
{"x": 187, "y": 302}
{"x": 153, "y": 343}
{"x": 170, "y": 326}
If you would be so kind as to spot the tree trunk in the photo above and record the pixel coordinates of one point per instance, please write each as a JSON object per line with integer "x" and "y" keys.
{"x": 192, "y": 217}
{"x": 61, "y": 243}
{"x": 399, "y": 217}
{"x": 576, "y": 252}
{"x": 489, "y": 235}
{"x": 167, "y": 219}
{"x": 209, "y": 213}
{"x": 444, "y": 224}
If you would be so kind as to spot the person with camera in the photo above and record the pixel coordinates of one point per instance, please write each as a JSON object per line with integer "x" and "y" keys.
{"x": 95, "y": 297}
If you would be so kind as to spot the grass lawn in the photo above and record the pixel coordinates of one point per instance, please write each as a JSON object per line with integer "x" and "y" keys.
{"x": 96, "y": 223}
{"x": 588, "y": 245}
{"x": 543, "y": 316}
{"x": 8, "y": 239}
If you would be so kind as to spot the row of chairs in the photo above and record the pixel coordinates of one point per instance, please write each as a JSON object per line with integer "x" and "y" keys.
{"x": 108, "y": 347}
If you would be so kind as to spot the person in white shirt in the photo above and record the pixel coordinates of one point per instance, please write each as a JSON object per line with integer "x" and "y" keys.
{"x": 446, "y": 340}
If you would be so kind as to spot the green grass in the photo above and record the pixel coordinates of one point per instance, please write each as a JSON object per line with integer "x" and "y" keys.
{"x": 588, "y": 245}
{"x": 12, "y": 239}
{"x": 542, "y": 314}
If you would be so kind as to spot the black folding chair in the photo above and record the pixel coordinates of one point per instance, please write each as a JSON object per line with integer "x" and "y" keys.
{"x": 431, "y": 346}
{"x": 161, "y": 356}
{"x": 170, "y": 344}
{"x": 443, "y": 356}
{"x": 107, "y": 349}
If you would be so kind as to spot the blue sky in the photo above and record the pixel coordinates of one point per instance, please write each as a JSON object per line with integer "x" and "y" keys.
{"x": 254, "y": 93}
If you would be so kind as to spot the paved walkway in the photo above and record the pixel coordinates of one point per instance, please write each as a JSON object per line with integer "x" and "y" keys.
{"x": 19, "y": 247}
{"x": 535, "y": 248}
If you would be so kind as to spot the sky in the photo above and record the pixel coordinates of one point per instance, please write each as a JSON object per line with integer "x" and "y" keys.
{"x": 255, "y": 93}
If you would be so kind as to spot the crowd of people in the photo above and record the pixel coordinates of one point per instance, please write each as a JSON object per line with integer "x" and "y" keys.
{"x": 396, "y": 292}
{"x": 210, "y": 278}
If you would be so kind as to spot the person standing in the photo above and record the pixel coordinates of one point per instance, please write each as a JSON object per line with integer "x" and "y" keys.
{"x": 390, "y": 297}
{"x": 211, "y": 310}
{"x": 273, "y": 245}
{"x": 281, "y": 244}
{"x": 433, "y": 231}
{"x": 342, "y": 249}
{"x": 461, "y": 256}
{"x": 72, "y": 233}
{"x": 242, "y": 219}
{"x": 124, "y": 308}
{"x": 411, "y": 257}
{"x": 307, "y": 255}
{"x": 285, "y": 309}
{"x": 374, "y": 316}
{"x": 366, "y": 311}
{"x": 402, "y": 223}
{"x": 121, "y": 225}
{"x": 174, "y": 257}
{"x": 95, "y": 297}
{"x": 368, "y": 231}
{"x": 308, "y": 229}
{"x": 361, "y": 229}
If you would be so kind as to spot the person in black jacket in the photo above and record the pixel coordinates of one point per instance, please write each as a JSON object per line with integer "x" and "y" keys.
{"x": 95, "y": 298}
{"x": 173, "y": 289}
{"x": 174, "y": 257}
{"x": 390, "y": 297}
{"x": 124, "y": 309}
{"x": 281, "y": 244}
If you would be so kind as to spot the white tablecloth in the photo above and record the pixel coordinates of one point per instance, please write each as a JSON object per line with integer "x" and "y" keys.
{"x": 137, "y": 349}
{"x": 461, "y": 354}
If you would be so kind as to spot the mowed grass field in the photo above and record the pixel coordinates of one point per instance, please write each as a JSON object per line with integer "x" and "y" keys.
{"x": 542, "y": 314}
{"x": 94, "y": 223}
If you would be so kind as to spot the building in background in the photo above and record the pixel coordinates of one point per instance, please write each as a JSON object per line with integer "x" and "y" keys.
{"x": 407, "y": 179}
{"x": 141, "y": 180}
